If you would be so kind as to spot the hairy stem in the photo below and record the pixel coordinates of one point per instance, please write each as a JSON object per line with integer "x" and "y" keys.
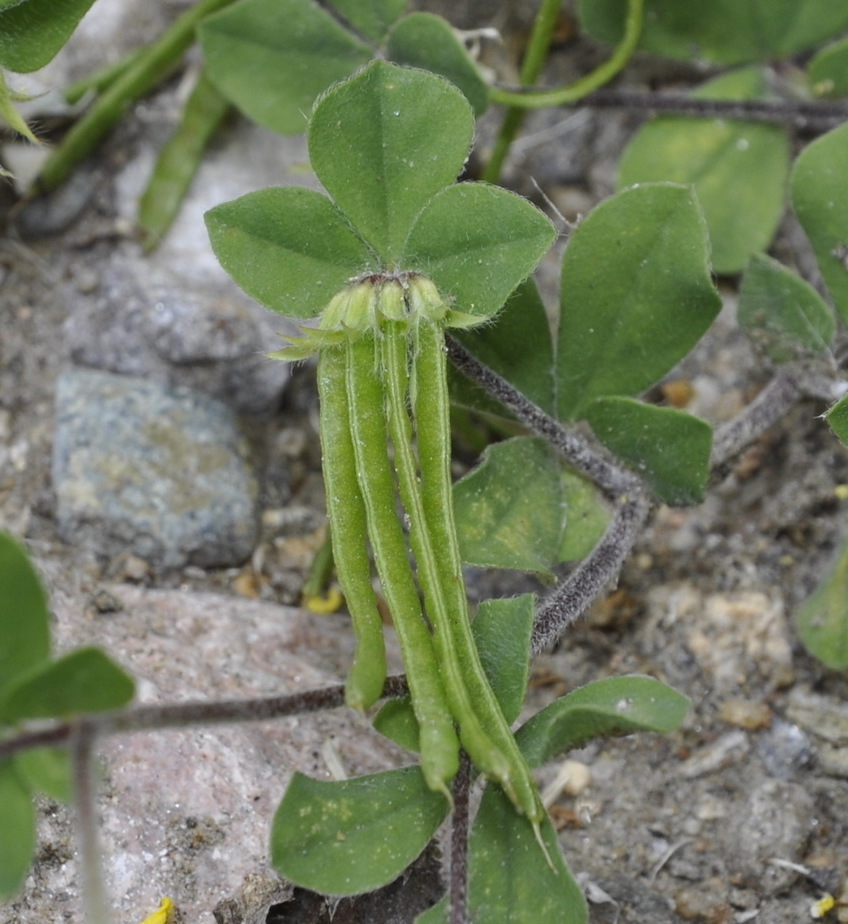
{"x": 766, "y": 409}
{"x": 460, "y": 823}
{"x": 802, "y": 113}
{"x": 182, "y": 715}
{"x": 597, "y": 572}
{"x": 587, "y": 460}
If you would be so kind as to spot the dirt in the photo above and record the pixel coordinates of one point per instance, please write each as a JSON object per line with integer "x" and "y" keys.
{"x": 742, "y": 815}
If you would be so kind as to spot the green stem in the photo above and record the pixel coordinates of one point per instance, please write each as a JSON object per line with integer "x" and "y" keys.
{"x": 484, "y": 731}
{"x": 534, "y": 61}
{"x": 349, "y": 529}
{"x": 320, "y": 571}
{"x": 539, "y": 99}
{"x": 179, "y": 160}
{"x": 102, "y": 77}
{"x": 145, "y": 71}
{"x": 438, "y": 740}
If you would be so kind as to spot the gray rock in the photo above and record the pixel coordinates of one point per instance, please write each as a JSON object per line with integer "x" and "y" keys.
{"x": 147, "y": 322}
{"x": 186, "y": 812}
{"x": 161, "y": 472}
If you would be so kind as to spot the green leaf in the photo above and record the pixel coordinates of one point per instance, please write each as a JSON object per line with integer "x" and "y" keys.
{"x": 396, "y": 720}
{"x": 508, "y": 877}
{"x": 289, "y": 248}
{"x": 47, "y": 770}
{"x": 782, "y": 313}
{"x": 477, "y": 243}
{"x": 383, "y": 143}
{"x": 828, "y": 70}
{"x": 612, "y": 707}
{"x": 371, "y": 18}
{"x": 502, "y": 630}
{"x": 429, "y": 42}
{"x": 85, "y": 680}
{"x": 670, "y": 449}
{"x": 819, "y": 192}
{"x": 738, "y": 169}
{"x": 723, "y": 31}
{"x": 636, "y": 294}
{"x": 33, "y": 31}
{"x": 272, "y": 58}
{"x": 823, "y": 617}
{"x": 179, "y": 159}
{"x": 509, "y": 510}
{"x": 17, "y": 830}
{"x": 24, "y": 617}
{"x": 588, "y": 516}
{"x": 353, "y": 836}
{"x": 518, "y": 345}
{"x": 837, "y": 417}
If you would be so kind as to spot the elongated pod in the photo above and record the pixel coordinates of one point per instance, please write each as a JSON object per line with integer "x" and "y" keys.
{"x": 366, "y": 404}
{"x": 484, "y": 731}
{"x": 349, "y": 530}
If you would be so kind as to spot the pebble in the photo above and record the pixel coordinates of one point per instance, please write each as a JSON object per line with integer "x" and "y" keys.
{"x": 747, "y": 714}
{"x": 741, "y": 642}
{"x": 819, "y": 715}
{"x": 704, "y": 902}
{"x": 784, "y": 749}
{"x": 826, "y": 722}
{"x": 724, "y": 751}
{"x": 161, "y": 473}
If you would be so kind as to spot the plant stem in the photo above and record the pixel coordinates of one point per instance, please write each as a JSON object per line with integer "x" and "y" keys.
{"x": 559, "y": 96}
{"x": 802, "y": 113}
{"x": 766, "y": 409}
{"x": 589, "y": 461}
{"x": 143, "y": 73}
{"x": 180, "y": 715}
{"x": 534, "y": 61}
{"x": 320, "y": 571}
{"x": 573, "y": 596}
{"x": 460, "y": 823}
{"x": 95, "y": 902}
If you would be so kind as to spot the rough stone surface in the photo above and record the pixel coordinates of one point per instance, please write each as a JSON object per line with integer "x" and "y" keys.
{"x": 138, "y": 321}
{"x": 186, "y": 813}
{"x": 159, "y": 472}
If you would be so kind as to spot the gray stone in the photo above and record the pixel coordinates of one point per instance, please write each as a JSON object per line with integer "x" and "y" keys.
{"x": 145, "y": 321}
{"x": 186, "y": 812}
{"x": 784, "y": 749}
{"x": 157, "y": 471}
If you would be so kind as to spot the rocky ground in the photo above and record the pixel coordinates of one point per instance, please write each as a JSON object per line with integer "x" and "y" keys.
{"x": 166, "y": 478}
